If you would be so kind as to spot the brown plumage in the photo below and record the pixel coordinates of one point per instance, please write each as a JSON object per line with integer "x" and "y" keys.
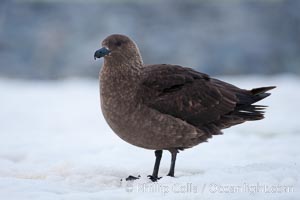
{"x": 167, "y": 107}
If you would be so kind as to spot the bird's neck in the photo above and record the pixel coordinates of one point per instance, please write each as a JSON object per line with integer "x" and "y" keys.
{"x": 118, "y": 78}
{"x": 127, "y": 70}
{"x": 118, "y": 87}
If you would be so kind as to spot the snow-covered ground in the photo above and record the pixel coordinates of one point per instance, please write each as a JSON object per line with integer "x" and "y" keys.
{"x": 55, "y": 144}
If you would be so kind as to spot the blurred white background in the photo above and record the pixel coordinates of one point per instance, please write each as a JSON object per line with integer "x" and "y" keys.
{"x": 54, "y": 142}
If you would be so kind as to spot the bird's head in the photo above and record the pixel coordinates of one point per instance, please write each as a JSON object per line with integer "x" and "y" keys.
{"x": 118, "y": 47}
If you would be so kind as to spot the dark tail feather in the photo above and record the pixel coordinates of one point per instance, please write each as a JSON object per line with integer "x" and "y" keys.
{"x": 259, "y": 93}
{"x": 250, "y": 112}
{"x": 262, "y": 90}
{"x": 246, "y": 110}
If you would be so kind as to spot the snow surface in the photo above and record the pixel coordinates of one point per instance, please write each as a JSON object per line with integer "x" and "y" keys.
{"x": 55, "y": 144}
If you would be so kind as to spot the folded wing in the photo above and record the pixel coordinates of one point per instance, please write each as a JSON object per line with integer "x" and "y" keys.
{"x": 207, "y": 103}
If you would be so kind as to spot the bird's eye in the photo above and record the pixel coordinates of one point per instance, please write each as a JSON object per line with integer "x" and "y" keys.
{"x": 118, "y": 43}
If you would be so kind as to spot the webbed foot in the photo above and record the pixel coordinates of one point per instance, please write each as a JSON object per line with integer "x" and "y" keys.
{"x": 132, "y": 178}
{"x": 153, "y": 178}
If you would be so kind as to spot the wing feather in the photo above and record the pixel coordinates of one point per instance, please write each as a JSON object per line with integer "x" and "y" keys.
{"x": 186, "y": 94}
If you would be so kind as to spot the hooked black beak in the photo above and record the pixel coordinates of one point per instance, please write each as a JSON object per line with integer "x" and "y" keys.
{"x": 101, "y": 53}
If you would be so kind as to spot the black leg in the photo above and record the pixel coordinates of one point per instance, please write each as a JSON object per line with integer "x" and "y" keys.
{"x": 173, "y": 161}
{"x": 154, "y": 176}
